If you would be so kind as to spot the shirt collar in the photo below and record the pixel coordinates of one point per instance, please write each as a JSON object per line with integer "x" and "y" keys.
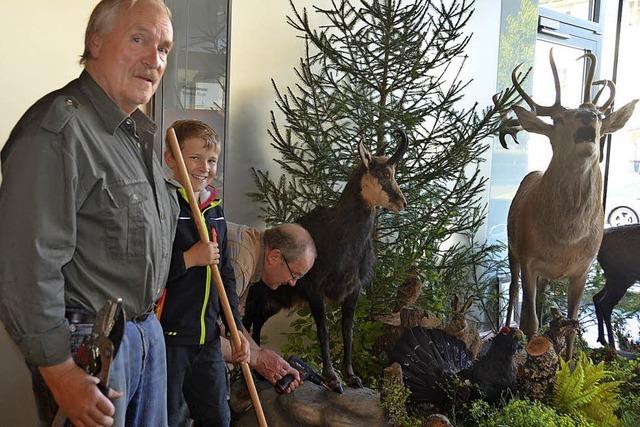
{"x": 112, "y": 116}
{"x": 257, "y": 274}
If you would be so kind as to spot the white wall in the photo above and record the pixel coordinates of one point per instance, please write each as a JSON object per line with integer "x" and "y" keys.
{"x": 41, "y": 43}
{"x": 263, "y": 47}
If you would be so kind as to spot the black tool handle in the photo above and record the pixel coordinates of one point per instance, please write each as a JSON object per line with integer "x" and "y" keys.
{"x": 284, "y": 382}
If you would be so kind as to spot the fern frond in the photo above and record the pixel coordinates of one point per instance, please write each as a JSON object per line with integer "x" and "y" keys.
{"x": 586, "y": 391}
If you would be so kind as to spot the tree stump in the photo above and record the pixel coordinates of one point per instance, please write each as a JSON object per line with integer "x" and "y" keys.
{"x": 537, "y": 376}
{"x": 411, "y": 316}
{"x": 395, "y": 324}
{"x": 393, "y": 372}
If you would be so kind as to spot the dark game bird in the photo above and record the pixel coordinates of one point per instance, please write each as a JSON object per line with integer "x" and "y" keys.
{"x": 431, "y": 358}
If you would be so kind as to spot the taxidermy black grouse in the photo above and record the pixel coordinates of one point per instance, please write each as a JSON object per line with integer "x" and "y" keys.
{"x": 430, "y": 359}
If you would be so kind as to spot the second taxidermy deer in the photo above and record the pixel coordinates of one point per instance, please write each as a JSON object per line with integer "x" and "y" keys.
{"x": 556, "y": 218}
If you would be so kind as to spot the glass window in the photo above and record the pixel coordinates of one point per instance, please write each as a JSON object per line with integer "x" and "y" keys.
{"x": 622, "y": 205}
{"x": 580, "y": 9}
{"x": 194, "y": 84}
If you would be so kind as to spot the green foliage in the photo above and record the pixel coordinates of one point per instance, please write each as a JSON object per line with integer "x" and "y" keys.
{"x": 522, "y": 413}
{"x": 479, "y": 413}
{"x": 378, "y": 66}
{"x": 587, "y": 390}
{"x": 627, "y": 372}
{"x": 394, "y": 399}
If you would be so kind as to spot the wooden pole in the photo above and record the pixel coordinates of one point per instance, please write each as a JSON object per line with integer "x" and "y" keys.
{"x": 222, "y": 295}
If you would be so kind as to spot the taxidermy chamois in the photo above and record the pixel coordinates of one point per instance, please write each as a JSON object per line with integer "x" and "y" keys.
{"x": 618, "y": 257}
{"x": 343, "y": 235}
{"x": 556, "y": 219}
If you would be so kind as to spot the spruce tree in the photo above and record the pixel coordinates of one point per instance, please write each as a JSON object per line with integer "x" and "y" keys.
{"x": 373, "y": 67}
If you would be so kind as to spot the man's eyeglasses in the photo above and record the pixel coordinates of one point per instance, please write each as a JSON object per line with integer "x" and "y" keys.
{"x": 294, "y": 277}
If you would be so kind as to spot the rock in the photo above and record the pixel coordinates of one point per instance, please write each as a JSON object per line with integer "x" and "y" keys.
{"x": 311, "y": 405}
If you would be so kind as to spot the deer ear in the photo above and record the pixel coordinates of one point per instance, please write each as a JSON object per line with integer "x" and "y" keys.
{"x": 530, "y": 122}
{"x": 365, "y": 155}
{"x": 618, "y": 118}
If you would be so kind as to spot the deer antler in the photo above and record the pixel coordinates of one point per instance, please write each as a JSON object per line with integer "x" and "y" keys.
{"x": 586, "y": 96}
{"x": 586, "y": 93}
{"x": 541, "y": 110}
{"x": 612, "y": 94}
{"x": 508, "y": 126}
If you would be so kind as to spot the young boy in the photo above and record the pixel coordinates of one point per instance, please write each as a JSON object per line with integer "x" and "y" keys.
{"x": 196, "y": 372}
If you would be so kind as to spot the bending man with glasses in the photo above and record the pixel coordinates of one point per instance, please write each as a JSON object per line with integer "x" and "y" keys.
{"x": 277, "y": 256}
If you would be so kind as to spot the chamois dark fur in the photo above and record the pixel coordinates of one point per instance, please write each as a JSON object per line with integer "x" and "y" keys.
{"x": 618, "y": 257}
{"x": 343, "y": 235}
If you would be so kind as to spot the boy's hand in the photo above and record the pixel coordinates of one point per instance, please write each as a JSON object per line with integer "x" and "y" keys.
{"x": 245, "y": 352}
{"x": 201, "y": 254}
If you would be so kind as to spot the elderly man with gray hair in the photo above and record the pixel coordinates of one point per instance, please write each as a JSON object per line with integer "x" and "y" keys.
{"x": 277, "y": 256}
{"x": 87, "y": 214}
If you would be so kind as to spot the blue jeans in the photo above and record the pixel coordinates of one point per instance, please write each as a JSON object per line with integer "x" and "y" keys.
{"x": 138, "y": 371}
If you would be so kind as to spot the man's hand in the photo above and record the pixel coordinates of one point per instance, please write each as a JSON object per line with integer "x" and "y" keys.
{"x": 244, "y": 354}
{"x": 273, "y": 367}
{"x": 76, "y": 392}
{"x": 201, "y": 254}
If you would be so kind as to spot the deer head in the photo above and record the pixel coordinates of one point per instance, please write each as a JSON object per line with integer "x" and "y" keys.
{"x": 378, "y": 183}
{"x": 573, "y": 132}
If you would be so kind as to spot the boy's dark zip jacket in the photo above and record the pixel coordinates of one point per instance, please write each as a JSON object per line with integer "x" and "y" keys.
{"x": 191, "y": 306}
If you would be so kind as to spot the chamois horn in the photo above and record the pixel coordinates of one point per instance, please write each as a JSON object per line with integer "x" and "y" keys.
{"x": 402, "y": 148}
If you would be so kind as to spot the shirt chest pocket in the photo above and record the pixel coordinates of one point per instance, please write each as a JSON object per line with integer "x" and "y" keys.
{"x": 126, "y": 229}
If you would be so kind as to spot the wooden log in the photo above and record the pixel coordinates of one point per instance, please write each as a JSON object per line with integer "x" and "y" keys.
{"x": 537, "y": 376}
{"x": 411, "y": 316}
{"x": 394, "y": 373}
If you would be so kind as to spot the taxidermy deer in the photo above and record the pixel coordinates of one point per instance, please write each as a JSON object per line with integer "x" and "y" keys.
{"x": 556, "y": 218}
{"x": 618, "y": 257}
{"x": 343, "y": 235}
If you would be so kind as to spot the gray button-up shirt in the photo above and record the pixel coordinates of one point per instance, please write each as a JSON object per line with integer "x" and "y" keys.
{"x": 86, "y": 212}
